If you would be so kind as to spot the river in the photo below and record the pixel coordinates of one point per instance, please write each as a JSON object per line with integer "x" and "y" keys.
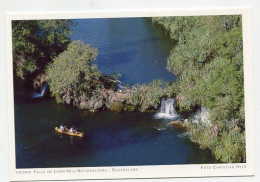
{"x": 136, "y": 49}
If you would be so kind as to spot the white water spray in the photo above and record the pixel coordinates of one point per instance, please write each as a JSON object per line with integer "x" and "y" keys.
{"x": 167, "y": 109}
{"x": 41, "y": 94}
{"x": 202, "y": 116}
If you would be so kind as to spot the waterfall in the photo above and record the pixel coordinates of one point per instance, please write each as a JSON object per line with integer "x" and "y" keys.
{"x": 37, "y": 95}
{"x": 167, "y": 109}
{"x": 202, "y": 116}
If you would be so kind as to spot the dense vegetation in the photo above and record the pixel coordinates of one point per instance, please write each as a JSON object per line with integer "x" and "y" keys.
{"x": 148, "y": 96}
{"x": 207, "y": 56}
{"x": 37, "y": 42}
{"x": 73, "y": 78}
{"x": 208, "y": 59}
{"x": 74, "y": 69}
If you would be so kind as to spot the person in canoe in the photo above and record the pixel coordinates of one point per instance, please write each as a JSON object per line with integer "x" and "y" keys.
{"x": 63, "y": 128}
{"x": 71, "y": 131}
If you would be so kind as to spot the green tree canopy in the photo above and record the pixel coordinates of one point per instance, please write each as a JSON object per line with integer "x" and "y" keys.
{"x": 208, "y": 59}
{"x": 37, "y": 42}
{"x": 74, "y": 69}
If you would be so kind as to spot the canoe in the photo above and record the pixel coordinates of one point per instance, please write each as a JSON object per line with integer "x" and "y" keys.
{"x": 78, "y": 134}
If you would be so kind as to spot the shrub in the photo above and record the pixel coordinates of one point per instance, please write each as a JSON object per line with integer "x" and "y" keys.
{"x": 231, "y": 147}
{"x": 116, "y": 106}
{"x": 148, "y": 96}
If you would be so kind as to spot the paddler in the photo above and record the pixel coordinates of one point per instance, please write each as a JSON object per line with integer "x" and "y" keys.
{"x": 71, "y": 130}
{"x": 61, "y": 127}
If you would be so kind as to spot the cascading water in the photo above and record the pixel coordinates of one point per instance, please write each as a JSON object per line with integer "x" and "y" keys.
{"x": 202, "y": 116}
{"x": 167, "y": 109}
{"x": 41, "y": 94}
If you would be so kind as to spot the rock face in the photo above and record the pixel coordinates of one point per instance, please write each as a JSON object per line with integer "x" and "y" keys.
{"x": 39, "y": 81}
{"x": 91, "y": 104}
{"x": 111, "y": 96}
{"x": 68, "y": 97}
{"x": 19, "y": 62}
{"x": 114, "y": 100}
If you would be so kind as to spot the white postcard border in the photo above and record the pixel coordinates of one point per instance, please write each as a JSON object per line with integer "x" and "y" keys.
{"x": 158, "y": 171}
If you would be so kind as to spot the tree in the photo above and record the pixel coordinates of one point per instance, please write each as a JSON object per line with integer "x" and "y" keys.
{"x": 37, "y": 42}
{"x": 74, "y": 69}
{"x": 208, "y": 59}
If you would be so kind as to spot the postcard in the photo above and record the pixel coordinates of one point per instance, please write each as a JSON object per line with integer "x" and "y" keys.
{"x": 138, "y": 94}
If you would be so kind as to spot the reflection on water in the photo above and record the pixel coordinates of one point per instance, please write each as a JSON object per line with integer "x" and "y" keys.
{"x": 137, "y": 50}
{"x": 111, "y": 139}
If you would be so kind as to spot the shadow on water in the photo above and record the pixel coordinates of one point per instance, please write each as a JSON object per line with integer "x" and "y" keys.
{"x": 111, "y": 139}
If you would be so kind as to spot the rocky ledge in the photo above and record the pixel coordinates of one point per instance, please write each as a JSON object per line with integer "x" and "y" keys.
{"x": 180, "y": 124}
{"x": 107, "y": 99}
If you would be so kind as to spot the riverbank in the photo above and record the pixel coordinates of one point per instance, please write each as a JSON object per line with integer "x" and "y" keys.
{"x": 110, "y": 138}
{"x": 208, "y": 59}
{"x": 88, "y": 88}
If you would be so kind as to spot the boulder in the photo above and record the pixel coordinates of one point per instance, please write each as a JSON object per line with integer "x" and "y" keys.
{"x": 91, "y": 104}
{"x": 67, "y": 99}
{"x": 19, "y": 62}
{"x": 119, "y": 97}
{"x": 111, "y": 96}
{"x": 106, "y": 93}
{"x": 39, "y": 81}
{"x": 76, "y": 101}
{"x": 87, "y": 104}
{"x": 177, "y": 124}
{"x": 68, "y": 96}
{"x": 115, "y": 100}
{"x": 98, "y": 105}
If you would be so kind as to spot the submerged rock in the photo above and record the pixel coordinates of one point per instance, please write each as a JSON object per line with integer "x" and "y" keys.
{"x": 177, "y": 124}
